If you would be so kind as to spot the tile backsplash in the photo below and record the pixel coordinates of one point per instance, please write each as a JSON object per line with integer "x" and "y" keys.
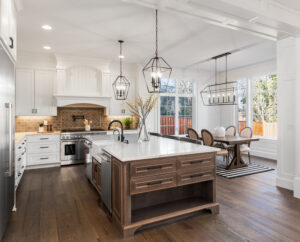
{"x": 64, "y": 120}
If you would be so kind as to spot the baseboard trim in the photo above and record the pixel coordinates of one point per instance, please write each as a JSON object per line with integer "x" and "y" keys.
{"x": 42, "y": 166}
{"x": 263, "y": 154}
{"x": 297, "y": 187}
{"x": 284, "y": 182}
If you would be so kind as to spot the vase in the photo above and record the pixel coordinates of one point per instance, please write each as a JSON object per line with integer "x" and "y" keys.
{"x": 41, "y": 129}
{"x": 143, "y": 132}
{"x": 87, "y": 127}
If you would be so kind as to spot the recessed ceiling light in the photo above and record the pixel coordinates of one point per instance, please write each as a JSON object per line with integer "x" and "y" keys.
{"x": 46, "y": 27}
{"x": 46, "y": 47}
{"x": 121, "y": 56}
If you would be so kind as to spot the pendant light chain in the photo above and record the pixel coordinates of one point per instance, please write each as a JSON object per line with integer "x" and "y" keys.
{"x": 121, "y": 57}
{"x": 156, "y": 33}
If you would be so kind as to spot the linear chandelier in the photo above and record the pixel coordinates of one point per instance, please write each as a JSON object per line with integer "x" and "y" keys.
{"x": 157, "y": 69}
{"x": 121, "y": 84}
{"x": 219, "y": 94}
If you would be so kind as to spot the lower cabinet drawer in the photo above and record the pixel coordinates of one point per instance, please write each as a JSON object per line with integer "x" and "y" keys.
{"x": 153, "y": 168}
{"x": 196, "y": 176}
{"x": 42, "y": 147}
{"x": 43, "y": 138}
{"x": 41, "y": 159}
{"x": 153, "y": 183}
{"x": 194, "y": 162}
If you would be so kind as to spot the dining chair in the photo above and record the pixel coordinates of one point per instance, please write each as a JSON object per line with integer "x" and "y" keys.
{"x": 208, "y": 140}
{"x": 192, "y": 134}
{"x": 245, "y": 148}
{"x": 230, "y": 130}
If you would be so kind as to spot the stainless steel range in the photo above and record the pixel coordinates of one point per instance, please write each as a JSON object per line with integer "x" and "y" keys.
{"x": 72, "y": 146}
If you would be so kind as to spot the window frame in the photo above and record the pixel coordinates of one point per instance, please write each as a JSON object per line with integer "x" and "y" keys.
{"x": 250, "y": 93}
{"x": 177, "y": 95}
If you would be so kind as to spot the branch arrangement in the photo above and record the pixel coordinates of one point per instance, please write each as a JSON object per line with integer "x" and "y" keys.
{"x": 142, "y": 108}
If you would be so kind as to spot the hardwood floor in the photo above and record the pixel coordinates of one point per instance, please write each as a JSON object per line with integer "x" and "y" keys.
{"x": 59, "y": 204}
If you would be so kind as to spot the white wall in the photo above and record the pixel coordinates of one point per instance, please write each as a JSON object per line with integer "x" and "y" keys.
{"x": 266, "y": 148}
{"x": 205, "y": 117}
{"x": 288, "y": 65}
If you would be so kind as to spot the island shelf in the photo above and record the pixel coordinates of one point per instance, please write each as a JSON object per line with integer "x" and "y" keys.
{"x": 159, "y": 190}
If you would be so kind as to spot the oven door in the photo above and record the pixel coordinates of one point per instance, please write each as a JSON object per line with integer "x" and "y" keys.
{"x": 69, "y": 150}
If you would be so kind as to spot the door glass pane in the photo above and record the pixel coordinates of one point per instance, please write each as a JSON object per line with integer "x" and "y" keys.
{"x": 167, "y": 115}
{"x": 242, "y": 104}
{"x": 265, "y": 106}
{"x": 168, "y": 86}
{"x": 184, "y": 114}
{"x": 185, "y": 87}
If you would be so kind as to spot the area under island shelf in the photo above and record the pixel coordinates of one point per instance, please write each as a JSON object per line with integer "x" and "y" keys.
{"x": 151, "y": 191}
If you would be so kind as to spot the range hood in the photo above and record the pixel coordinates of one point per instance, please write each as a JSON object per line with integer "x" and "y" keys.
{"x": 83, "y": 101}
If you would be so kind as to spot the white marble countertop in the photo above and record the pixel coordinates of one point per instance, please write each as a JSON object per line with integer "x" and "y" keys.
{"x": 155, "y": 148}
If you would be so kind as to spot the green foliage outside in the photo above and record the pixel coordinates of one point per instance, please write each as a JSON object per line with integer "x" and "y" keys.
{"x": 265, "y": 99}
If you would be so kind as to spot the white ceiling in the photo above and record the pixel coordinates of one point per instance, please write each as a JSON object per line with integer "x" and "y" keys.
{"x": 93, "y": 27}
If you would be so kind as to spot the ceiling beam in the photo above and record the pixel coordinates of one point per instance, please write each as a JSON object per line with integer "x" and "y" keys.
{"x": 217, "y": 17}
{"x": 270, "y": 9}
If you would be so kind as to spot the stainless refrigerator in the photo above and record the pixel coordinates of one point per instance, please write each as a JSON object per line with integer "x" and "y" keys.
{"x": 7, "y": 114}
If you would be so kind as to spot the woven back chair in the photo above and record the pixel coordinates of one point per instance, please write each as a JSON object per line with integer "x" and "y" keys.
{"x": 230, "y": 131}
{"x": 192, "y": 134}
{"x": 208, "y": 140}
{"x": 246, "y": 133}
{"x": 207, "y": 137}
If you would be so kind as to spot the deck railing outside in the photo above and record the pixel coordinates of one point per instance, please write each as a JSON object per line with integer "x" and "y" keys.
{"x": 167, "y": 125}
{"x": 261, "y": 128}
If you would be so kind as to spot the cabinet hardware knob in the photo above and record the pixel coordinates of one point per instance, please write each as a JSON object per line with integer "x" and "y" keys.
{"x": 11, "y": 43}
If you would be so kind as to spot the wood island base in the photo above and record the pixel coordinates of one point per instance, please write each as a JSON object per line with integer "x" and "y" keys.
{"x": 147, "y": 193}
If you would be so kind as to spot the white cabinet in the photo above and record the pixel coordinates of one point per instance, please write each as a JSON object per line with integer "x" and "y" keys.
{"x": 43, "y": 150}
{"x": 20, "y": 160}
{"x": 8, "y": 26}
{"x": 24, "y": 92}
{"x": 34, "y": 93}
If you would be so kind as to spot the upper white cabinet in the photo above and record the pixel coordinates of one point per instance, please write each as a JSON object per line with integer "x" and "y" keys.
{"x": 8, "y": 26}
{"x": 34, "y": 93}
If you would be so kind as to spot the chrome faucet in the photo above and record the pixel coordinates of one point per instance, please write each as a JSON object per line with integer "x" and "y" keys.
{"x": 121, "y": 136}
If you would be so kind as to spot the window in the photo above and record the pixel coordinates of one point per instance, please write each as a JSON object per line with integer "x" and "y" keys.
{"x": 167, "y": 115}
{"x": 184, "y": 114}
{"x": 257, "y": 107}
{"x": 242, "y": 104}
{"x": 264, "y": 106}
{"x": 176, "y": 107}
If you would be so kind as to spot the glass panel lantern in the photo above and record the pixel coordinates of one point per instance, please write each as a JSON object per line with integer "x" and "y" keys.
{"x": 121, "y": 88}
{"x": 156, "y": 70}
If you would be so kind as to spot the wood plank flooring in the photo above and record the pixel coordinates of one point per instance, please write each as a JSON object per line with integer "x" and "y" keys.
{"x": 59, "y": 204}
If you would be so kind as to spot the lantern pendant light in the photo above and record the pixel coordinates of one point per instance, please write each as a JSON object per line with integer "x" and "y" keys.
{"x": 223, "y": 93}
{"x": 157, "y": 70}
{"x": 121, "y": 84}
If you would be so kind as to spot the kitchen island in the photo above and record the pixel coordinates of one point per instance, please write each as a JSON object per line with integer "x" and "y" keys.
{"x": 160, "y": 181}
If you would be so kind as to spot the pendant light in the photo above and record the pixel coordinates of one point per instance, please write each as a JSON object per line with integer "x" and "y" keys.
{"x": 157, "y": 69}
{"x": 219, "y": 94}
{"x": 121, "y": 84}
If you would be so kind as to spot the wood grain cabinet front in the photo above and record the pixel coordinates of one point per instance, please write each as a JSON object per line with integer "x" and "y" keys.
{"x": 193, "y": 162}
{"x": 153, "y": 167}
{"x": 152, "y": 183}
{"x": 96, "y": 175}
{"x": 195, "y": 176}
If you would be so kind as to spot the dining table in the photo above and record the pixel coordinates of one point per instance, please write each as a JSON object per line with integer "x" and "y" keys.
{"x": 236, "y": 142}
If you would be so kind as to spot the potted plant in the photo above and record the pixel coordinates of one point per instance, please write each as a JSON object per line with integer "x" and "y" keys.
{"x": 41, "y": 128}
{"x": 127, "y": 122}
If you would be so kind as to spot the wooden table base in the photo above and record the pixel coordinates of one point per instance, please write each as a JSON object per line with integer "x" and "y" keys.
{"x": 237, "y": 161}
